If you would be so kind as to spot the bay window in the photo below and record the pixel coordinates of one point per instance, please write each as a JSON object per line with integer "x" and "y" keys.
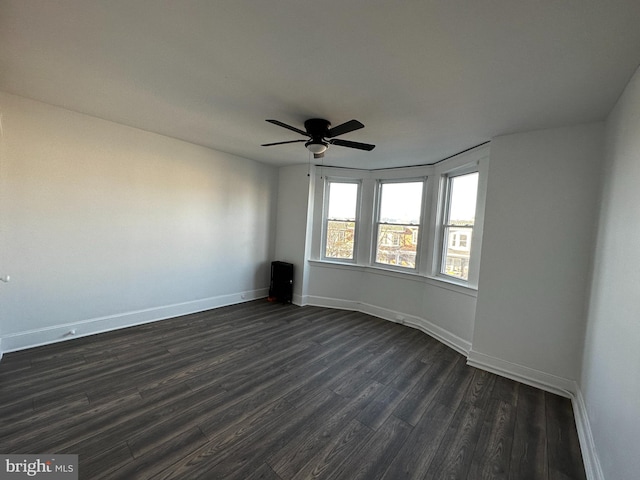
{"x": 423, "y": 220}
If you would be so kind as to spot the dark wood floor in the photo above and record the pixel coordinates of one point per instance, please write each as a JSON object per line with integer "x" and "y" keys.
{"x": 270, "y": 391}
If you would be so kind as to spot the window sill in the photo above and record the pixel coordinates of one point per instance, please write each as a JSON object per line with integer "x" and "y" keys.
{"x": 440, "y": 282}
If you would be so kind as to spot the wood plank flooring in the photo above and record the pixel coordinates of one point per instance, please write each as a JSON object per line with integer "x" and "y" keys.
{"x": 279, "y": 392}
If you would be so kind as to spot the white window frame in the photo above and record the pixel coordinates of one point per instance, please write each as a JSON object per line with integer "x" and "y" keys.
{"x": 446, "y": 204}
{"x": 473, "y": 161}
{"x": 376, "y": 222}
{"x": 326, "y": 219}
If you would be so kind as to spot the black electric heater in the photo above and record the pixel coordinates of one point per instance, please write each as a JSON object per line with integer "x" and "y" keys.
{"x": 281, "y": 287}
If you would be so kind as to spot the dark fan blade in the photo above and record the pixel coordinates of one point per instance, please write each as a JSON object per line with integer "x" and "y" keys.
{"x": 346, "y": 143}
{"x": 282, "y": 143}
{"x": 346, "y": 127}
{"x": 289, "y": 127}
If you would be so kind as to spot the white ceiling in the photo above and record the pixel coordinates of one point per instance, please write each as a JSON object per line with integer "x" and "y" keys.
{"x": 428, "y": 78}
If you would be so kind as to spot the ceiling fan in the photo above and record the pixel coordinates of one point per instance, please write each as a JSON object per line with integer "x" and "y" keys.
{"x": 319, "y": 130}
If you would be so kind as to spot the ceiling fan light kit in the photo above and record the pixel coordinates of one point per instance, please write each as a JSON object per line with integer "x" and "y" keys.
{"x": 316, "y": 148}
{"x": 319, "y": 130}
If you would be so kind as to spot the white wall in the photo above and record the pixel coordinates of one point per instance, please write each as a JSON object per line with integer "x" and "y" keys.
{"x": 104, "y": 225}
{"x": 538, "y": 236}
{"x": 610, "y": 381}
{"x": 292, "y": 241}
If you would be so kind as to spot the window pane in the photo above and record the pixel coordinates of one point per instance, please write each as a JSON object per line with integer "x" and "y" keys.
{"x": 340, "y": 222}
{"x": 401, "y": 202}
{"x": 457, "y": 252}
{"x": 343, "y": 199}
{"x": 340, "y": 237}
{"x": 397, "y": 245}
{"x": 464, "y": 192}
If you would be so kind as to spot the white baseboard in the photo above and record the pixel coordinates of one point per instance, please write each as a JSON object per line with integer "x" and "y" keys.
{"x": 530, "y": 376}
{"x": 58, "y": 333}
{"x": 587, "y": 445}
{"x": 299, "y": 300}
{"x": 458, "y": 344}
{"x": 332, "y": 303}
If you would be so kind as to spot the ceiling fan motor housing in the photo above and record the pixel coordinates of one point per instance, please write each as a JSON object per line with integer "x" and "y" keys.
{"x": 318, "y": 128}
